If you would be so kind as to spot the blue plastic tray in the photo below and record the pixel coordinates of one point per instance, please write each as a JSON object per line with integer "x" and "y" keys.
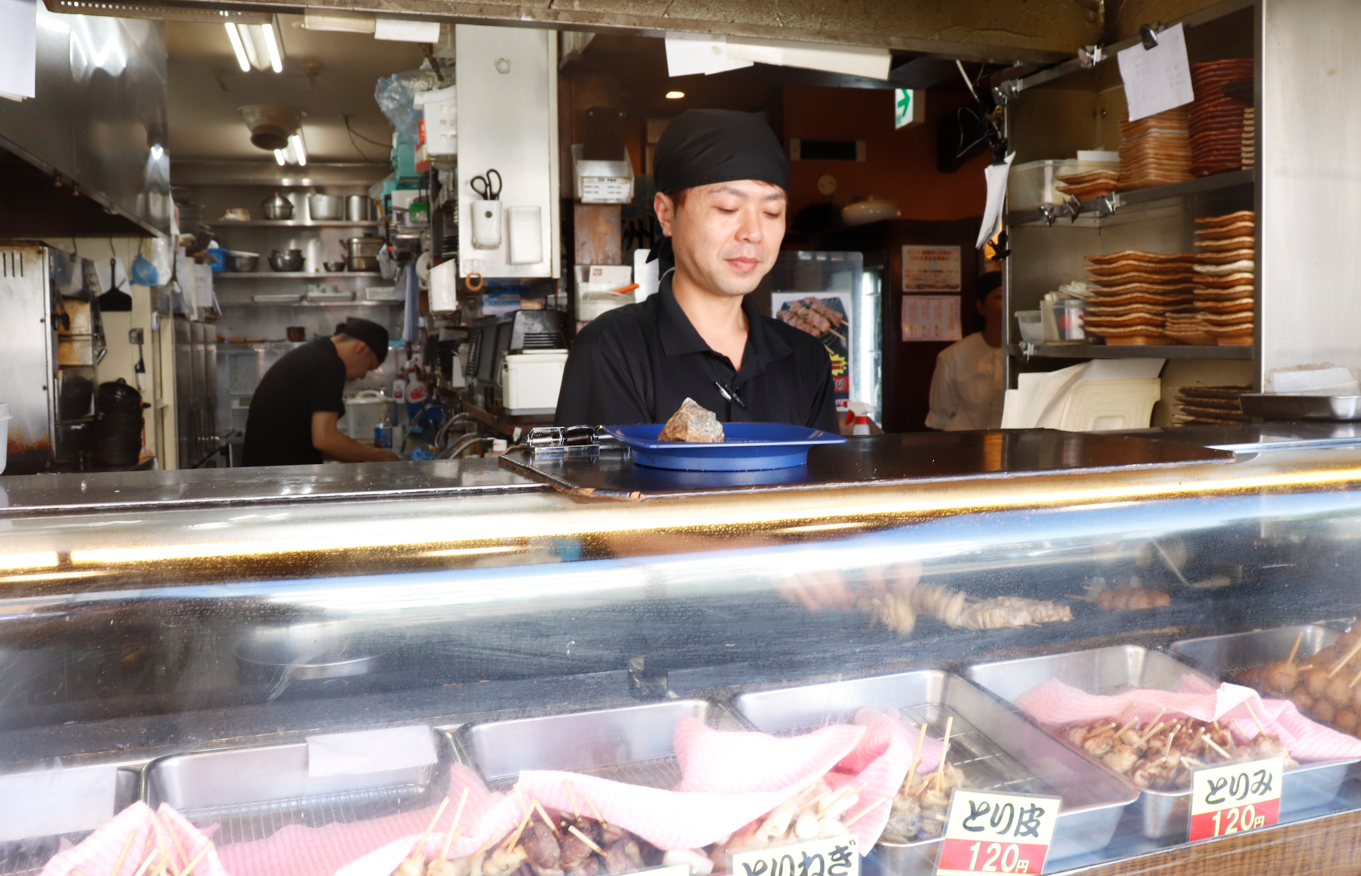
{"x": 749, "y": 447}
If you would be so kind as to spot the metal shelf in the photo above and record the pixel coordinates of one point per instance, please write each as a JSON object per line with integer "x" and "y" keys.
{"x": 1130, "y": 351}
{"x": 381, "y": 303}
{"x": 294, "y": 223}
{"x": 1093, "y": 210}
{"x": 295, "y": 275}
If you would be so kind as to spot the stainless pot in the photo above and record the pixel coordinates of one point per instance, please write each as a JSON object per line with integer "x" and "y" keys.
{"x": 310, "y": 651}
{"x": 277, "y": 207}
{"x": 357, "y": 208}
{"x": 362, "y": 253}
{"x": 242, "y": 262}
{"x": 326, "y": 207}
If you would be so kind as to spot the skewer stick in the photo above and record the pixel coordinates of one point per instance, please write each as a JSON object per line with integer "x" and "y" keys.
{"x": 491, "y": 841}
{"x": 1149, "y": 735}
{"x": 863, "y": 812}
{"x": 1298, "y": 639}
{"x": 419, "y": 848}
{"x": 188, "y": 871}
{"x": 546, "y": 820}
{"x": 1210, "y": 742}
{"x": 147, "y": 863}
{"x": 572, "y": 829}
{"x": 1199, "y": 733}
{"x": 916, "y": 755}
{"x": 1345, "y": 660}
{"x": 798, "y": 801}
{"x": 1355, "y": 679}
{"x": 448, "y": 844}
{"x": 944, "y": 750}
{"x": 1258, "y": 721}
{"x": 179, "y": 849}
{"x": 1125, "y": 714}
{"x": 515, "y": 837}
{"x": 571, "y": 793}
{"x": 454, "y": 833}
{"x": 1128, "y": 724}
{"x": 127, "y": 844}
{"x": 596, "y": 812}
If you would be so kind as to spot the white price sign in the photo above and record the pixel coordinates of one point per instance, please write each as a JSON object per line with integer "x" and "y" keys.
{"x": 1234, "y": 797}
{"x": 987, "y": 832}
{"x": 834, "y": 856}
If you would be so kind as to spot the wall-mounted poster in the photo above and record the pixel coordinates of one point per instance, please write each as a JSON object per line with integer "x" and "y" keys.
{"x": 931, "y": 269}
{"x": 931, "y": 318}
{"x": 826, "y": 316}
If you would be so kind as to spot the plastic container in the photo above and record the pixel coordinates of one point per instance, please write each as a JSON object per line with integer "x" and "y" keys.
{"x": 1031, "y": 184}
{"x": 1032, "y": 332}
{"x": 4, "y": 427}
{"x": 364, "y": 411}
{"x": 1062, "y": 321}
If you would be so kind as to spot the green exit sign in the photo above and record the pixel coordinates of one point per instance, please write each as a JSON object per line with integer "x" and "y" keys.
{"x": 907, "y": 107}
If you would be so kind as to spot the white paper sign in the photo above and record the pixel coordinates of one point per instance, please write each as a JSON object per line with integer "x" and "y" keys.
{"x": 1159, "y": 78}
{"x": 691, "y": 53}
{"x": 931, "y": 268}
{"x": 18, "y": 48}
{"x": 996, "y": 175}
{"x": 370, "y": 751}
{"x": 931, "y": 318}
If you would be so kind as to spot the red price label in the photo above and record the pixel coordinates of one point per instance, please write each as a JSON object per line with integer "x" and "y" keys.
{"x": 1235, "y": 797}
{"x": 987, "y": 832}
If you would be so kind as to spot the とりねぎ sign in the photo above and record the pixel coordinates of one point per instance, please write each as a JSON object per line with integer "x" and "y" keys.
{"x": 987, "y": 832}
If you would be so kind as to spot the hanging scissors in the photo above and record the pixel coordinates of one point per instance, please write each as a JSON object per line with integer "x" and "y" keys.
{"x": 484, "y": 187}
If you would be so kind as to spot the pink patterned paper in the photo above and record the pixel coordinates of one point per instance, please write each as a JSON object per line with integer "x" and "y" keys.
{"x": 99, "y": 852}
{"x": 1054, "y": 704}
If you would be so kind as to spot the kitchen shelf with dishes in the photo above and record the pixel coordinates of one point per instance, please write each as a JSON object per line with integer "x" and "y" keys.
{"x": 296, "y": 275}
{"x": 1093, "y": 211}
{"x": 1131, "y": 351}
{"x": 379, "y": 303}
{"x": 294, "y": 223}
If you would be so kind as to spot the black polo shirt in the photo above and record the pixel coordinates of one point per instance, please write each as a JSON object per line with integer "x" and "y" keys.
{"x": 308, "y": 379}
{"x": 638, "y": 363}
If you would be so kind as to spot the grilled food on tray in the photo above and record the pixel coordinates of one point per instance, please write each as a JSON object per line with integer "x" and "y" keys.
{"x": 1326, "y": 685}
{"x": 918, "y": 809}
{"x": 898, "y": 610}
{"x": 693, "y": 424}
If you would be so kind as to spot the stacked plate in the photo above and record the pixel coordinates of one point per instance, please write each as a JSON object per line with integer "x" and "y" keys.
{"x": 1209, "y": 405}
{"x": 1135, "y": 292}
{"x": 1090, "y": 184}
{"x": 1225, "y": 279}
{"x": 1250, "y": 137}
{"x": 1218, "y": 121}
{"x": 1156, "y": 150}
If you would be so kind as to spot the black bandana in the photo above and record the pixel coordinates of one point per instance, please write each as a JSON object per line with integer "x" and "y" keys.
{"x": 706, "y": 146}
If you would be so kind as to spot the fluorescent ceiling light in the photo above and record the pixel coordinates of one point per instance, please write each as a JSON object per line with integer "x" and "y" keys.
{"x": 295, "y": 142}
{"x": 279, "y": 157}
{"x": 237, "y": 47}
{"x": 276, "y": 61}
{"x": 675, "y": 95}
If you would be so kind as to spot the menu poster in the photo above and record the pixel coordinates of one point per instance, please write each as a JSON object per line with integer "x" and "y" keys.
{"x": 931, "y": 269}
{"x": 827, "y": 317}
{"x": 931, "y": 318}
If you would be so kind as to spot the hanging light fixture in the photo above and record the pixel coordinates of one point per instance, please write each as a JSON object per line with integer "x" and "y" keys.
{"x": 257, "y": 46}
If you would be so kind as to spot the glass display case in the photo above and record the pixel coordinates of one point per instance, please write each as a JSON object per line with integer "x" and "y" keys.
{"x": 213, "y": 641}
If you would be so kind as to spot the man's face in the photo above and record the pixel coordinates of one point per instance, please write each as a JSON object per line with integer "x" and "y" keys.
{"x": 360, "y": 362}
{"x": 991, "y": 307}
{"x": 727, "y": 235}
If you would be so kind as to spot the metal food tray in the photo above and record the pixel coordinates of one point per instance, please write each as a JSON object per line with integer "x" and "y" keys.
{"x": 994, "y": 747}
{"x": 1221, "y": 655}
{"x": 1119, "y": 668}
{"x": 1272, "y": 406}
{"x": 253, "y": 792}
{"x": 633, "y": 744}
{"x": 29, "y": 855}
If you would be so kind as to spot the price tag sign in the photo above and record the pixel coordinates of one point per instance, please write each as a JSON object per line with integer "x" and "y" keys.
{"x": 834, "y": 856}
{"x": 1235, "y": 797}
{"x": 988, "y": 832}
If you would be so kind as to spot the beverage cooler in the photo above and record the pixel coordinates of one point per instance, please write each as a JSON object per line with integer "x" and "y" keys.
{"x": 675, "y": 675}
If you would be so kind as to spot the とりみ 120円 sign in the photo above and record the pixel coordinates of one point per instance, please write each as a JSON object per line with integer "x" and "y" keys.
{"x": 1234, "y": 797}
{"x": 987, "y": 832}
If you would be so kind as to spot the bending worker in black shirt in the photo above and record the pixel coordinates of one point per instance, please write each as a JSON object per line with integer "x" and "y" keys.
{"x": 294, "y": 410}
{"x": 722, "y": 182}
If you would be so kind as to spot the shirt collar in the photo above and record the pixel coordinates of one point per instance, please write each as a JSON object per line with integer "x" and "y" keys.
{"x": 679, "y": 336}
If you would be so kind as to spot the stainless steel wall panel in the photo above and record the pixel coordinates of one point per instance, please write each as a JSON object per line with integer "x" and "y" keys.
{"x": 26, "y": 377}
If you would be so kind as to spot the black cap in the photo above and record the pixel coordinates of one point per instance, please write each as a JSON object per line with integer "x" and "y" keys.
{"x": 369, "y": 332}
{"x": 705, "y": 146}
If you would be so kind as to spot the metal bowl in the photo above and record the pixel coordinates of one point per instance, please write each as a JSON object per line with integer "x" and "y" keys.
{"x": 334, "y": 267}
{"x": 309, "y": 651}
{"x": 291, "y": 262}
{"x": 242, "y": 262}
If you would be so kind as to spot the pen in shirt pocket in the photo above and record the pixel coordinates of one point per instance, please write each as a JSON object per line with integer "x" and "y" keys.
{"x": 730, "y": 394}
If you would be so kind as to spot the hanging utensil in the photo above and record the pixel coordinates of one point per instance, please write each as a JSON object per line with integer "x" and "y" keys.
{"x": 485, "y": 188}
{"x": 115, "y": 300}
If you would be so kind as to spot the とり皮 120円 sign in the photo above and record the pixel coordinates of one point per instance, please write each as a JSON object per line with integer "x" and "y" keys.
{"x": 1235, "y": 797}
{"x": 987, "y": 832}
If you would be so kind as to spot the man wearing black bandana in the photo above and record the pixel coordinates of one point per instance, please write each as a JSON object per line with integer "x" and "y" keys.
{"x": 722, "y": 182}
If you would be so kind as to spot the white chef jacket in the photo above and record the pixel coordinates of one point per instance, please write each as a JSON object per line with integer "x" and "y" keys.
{"x": 967, "y": 390}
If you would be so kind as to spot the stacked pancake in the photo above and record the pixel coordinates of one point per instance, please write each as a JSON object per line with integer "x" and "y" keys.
{"x": 1134, "y": 293}
{"x": 1224, "y": 288}
{"x": 1089, "y": 184}
{"x": 1155, "y": 151}
{"x": 1219, "y": 123}
{"x": 1209, "y": 405}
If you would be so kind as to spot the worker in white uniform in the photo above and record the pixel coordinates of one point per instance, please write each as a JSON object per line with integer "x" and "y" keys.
{"x": 967, "y": 390}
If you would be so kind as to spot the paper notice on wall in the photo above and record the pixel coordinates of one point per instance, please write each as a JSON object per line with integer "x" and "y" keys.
{"x": 1159, "y": 78}
{"x": 931, "y": 318}
{"x": 691, "y": 53}
{"x": 18, "y": 48}
{"x": 931, "y": 269}
{"x": 996, "y": 175}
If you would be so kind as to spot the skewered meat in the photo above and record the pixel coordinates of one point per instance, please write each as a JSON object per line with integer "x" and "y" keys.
{"x": 1326, "y": 685}
{"x": 541, "y": 846}
{"x": 793, "y": 319}
{"x": 1127, "y": 597}
{"x": 572, "y": 851}
{"x": 918, "y": 810}
{"x": 832, "y": 316}
{"x": 812, "y": 317}
{"x": 899, "y": 610}
{"x": 623, "y": 856}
